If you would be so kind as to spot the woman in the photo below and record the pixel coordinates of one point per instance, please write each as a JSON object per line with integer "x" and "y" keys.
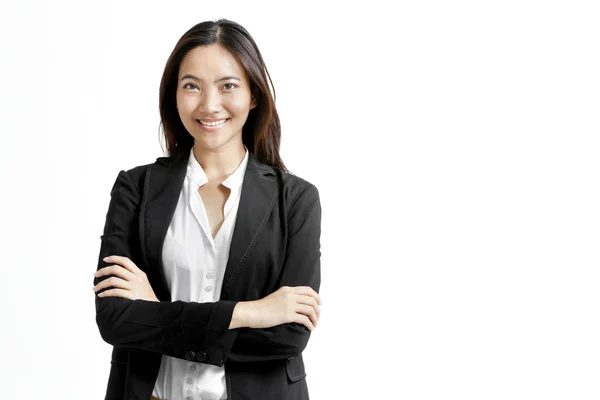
{"x": 209, "y": 263}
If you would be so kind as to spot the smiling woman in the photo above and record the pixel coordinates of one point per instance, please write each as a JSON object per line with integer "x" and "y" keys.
{"x": 209, "y": 269}
{"x": 217, "y": 68}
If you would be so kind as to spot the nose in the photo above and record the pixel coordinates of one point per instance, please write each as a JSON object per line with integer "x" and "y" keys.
{"x": 210, "y": 102}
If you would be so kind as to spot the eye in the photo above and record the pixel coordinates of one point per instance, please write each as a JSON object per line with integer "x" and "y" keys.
{"x": 188, "y": 84}
{"x": 229, "y": 86}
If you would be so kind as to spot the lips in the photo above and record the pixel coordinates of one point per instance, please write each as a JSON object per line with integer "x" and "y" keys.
{"x": 212, "y": 122}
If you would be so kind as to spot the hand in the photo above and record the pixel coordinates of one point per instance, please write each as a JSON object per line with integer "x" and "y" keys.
{"x": 129, "y": 282}
{"x": 300, "y": 304}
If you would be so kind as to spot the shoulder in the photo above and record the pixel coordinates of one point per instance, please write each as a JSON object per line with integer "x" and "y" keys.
{"x": 296, "y": 183}
{"x": 137, "y": 174}
{"x": 297, "y": 192}
{"x": 291, "y": 186}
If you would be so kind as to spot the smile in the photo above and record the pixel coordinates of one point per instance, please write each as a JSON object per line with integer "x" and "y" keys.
{"x": 213, "y": 123}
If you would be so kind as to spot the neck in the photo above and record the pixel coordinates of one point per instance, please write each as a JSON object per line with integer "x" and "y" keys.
{"x": 219, "y": 163}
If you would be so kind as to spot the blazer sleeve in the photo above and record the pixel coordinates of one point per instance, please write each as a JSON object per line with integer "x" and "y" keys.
{"x": 179, "y": 329}
{"x": 302, "y": 267}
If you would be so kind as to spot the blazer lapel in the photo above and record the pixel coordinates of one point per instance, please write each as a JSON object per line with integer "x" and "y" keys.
{"x": 164, "y": 181}
{"x": 259, "y": 195}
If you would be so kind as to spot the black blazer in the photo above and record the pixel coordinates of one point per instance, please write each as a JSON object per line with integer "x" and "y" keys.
{"x": 276, "y": 242}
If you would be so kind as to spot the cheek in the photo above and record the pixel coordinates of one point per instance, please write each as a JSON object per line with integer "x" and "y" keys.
{"x": 239, "y": 105}
{"x": 185, "y": 104}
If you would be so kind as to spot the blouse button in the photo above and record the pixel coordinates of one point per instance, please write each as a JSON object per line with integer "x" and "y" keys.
{"x": 210, "y": 275}
{"x": 189, "y": 381}
{"x": 208, "y": 288}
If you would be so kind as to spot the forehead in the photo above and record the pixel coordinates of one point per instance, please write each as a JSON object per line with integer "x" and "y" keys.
{"x": 209, "y": 62}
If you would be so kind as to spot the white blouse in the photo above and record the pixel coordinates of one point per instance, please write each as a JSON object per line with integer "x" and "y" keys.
{"x": 194, "y": 265}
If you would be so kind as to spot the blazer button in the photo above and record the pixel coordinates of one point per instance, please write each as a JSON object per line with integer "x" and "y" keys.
{"x": 200, "y": 356}
{"x": 190, "y": 355}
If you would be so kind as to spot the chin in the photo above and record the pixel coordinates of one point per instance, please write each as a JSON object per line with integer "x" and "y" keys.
{"x": 212, "y": 143}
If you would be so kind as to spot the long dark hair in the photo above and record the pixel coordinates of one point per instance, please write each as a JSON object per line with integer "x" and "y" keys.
{"x": 262, "y": 131}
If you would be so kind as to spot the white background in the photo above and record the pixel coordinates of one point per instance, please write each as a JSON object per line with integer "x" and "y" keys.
{"x": 454, "y": 144}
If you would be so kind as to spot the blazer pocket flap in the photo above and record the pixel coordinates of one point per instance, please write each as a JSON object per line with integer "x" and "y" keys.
{"x": 294, "y": 366}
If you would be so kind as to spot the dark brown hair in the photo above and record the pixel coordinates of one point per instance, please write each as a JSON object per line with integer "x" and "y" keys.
{"x": 262, "y": 131}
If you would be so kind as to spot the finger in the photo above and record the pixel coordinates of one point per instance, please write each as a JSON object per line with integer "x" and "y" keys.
{"x": 126, "y": 294}
{"x": 309, "y": 312}
{"x": 307, "y": 291}
{"x": 304, "y": 320}
{"x": 112, "y": 282}
{"x": 124, "y": 261}
{"x": 116, "y": 270}
{"x": 311, "y": 301}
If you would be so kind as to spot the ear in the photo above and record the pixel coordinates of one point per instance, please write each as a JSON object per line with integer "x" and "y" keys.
{"x": 253, "y": 102}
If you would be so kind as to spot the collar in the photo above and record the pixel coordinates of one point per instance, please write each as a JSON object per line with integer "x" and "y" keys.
{"x": 196, "y": 173}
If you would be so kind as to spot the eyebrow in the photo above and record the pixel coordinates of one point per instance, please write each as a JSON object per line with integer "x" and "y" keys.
{"x": 225, "y": 78}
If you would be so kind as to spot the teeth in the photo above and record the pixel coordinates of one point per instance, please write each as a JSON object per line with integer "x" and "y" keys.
{"x": 215, "y": 123}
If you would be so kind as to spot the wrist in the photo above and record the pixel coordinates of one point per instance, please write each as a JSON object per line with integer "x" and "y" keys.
{"x": 241, "y": 316}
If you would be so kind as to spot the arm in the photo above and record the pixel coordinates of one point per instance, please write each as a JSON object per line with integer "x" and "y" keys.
{"x": 171, "y": 328}
{"x": 302, "y": 267}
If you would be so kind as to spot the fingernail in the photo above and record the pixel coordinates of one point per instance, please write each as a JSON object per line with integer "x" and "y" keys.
{"x": 105, "y": 258}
